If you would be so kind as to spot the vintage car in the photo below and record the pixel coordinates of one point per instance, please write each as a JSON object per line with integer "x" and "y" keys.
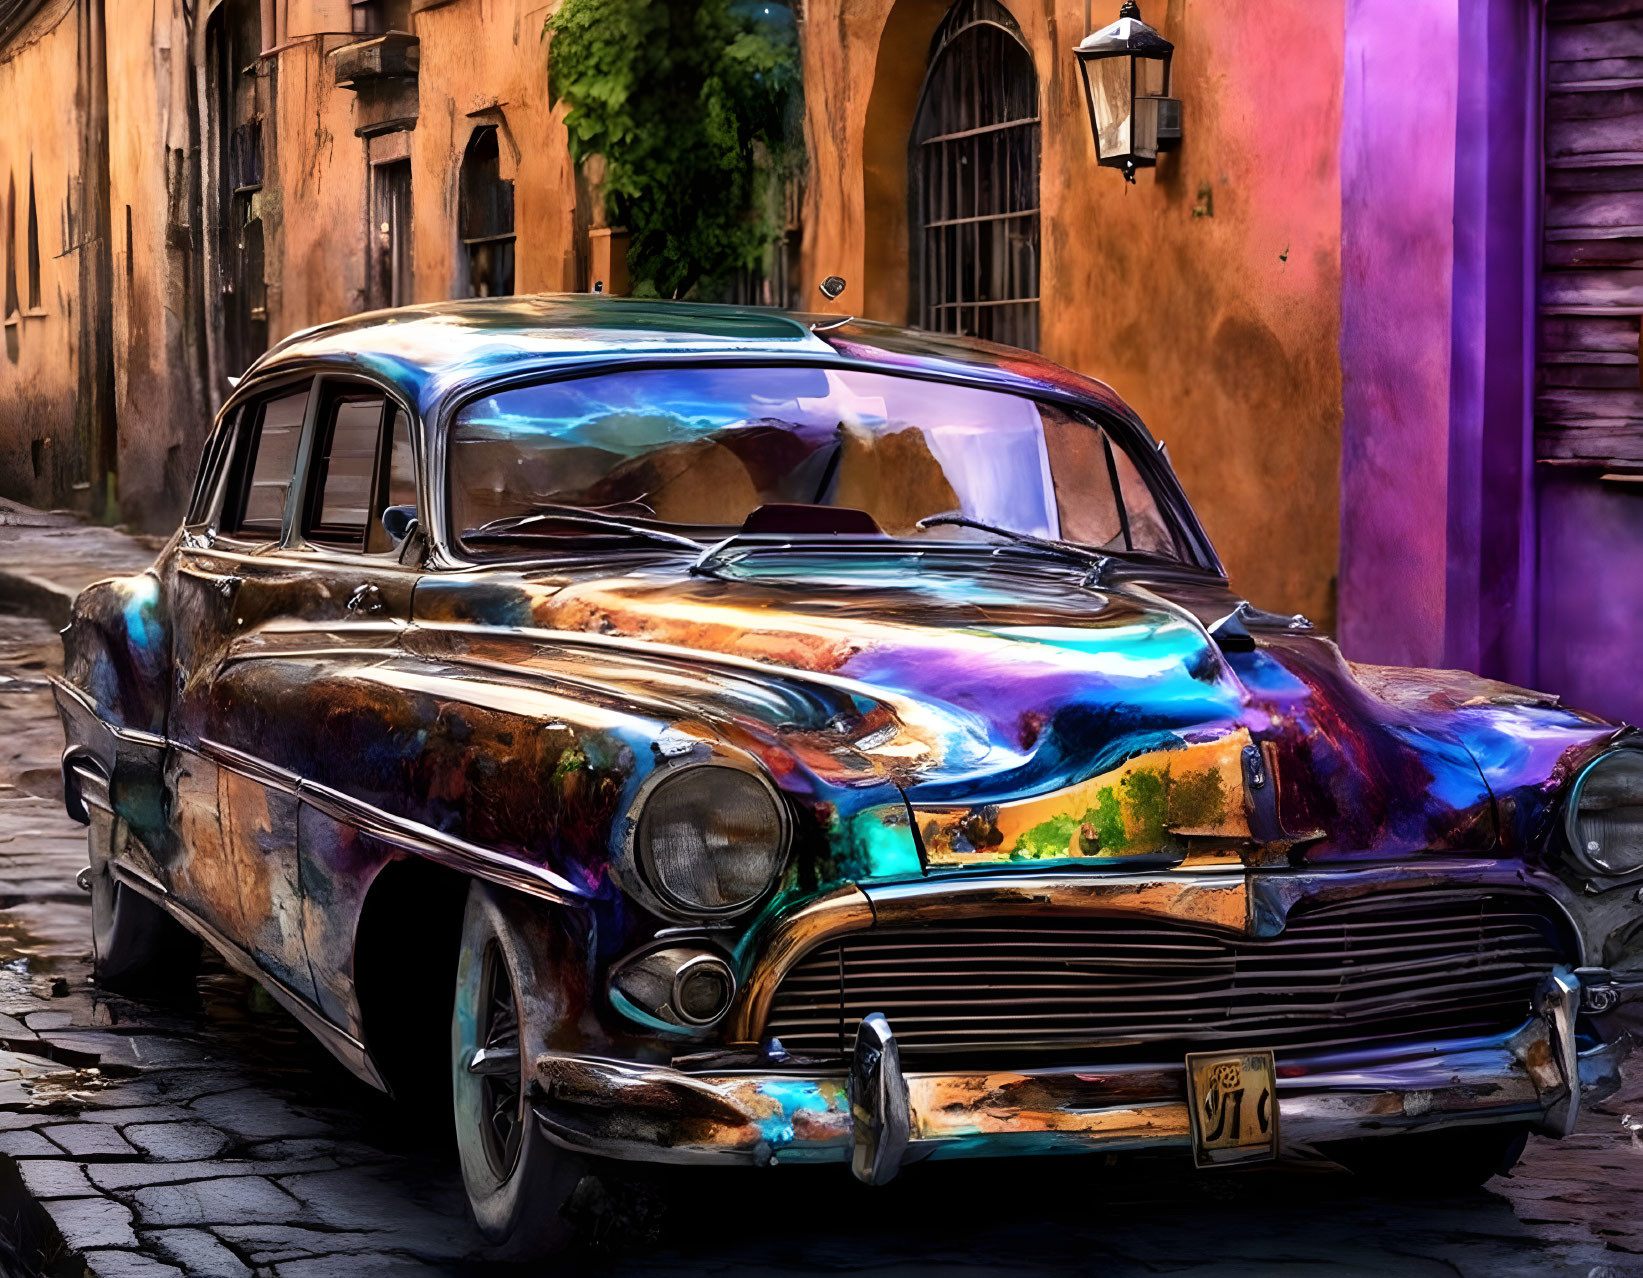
{"x": 698, "y": 735}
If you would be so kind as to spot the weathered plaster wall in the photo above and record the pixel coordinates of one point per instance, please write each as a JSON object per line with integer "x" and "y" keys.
{"x": 486, "y": 62}
{"x": 483, "y": 62}
{"x": 314, "y": 210}
{"x": 1206, "y": 294}
{"x": 38, "y": 346}
{"x": 158, "y": 344}
{"x": 1398, "y": 209}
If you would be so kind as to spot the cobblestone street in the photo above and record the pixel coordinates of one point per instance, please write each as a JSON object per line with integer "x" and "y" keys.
{"x": 210, "y": 1136}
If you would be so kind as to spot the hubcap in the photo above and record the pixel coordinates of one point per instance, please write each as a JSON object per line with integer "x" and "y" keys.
{"x": 501, "y": 1093}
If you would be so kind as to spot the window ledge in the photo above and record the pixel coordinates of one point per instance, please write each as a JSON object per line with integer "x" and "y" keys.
{"x": 378, "y": 57}
{"x": 36, "y": 312}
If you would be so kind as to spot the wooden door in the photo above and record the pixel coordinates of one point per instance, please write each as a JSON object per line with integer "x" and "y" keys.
{"x": 1589, "y": 401}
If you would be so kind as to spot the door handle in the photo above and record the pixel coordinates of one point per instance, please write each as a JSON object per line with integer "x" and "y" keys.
{"x": 366, "y": 599}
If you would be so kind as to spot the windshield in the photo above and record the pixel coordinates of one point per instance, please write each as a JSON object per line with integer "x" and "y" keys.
{"x": 697, "y": 450}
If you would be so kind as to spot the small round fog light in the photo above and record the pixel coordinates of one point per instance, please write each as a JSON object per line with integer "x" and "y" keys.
{"x": 702, "y": 989}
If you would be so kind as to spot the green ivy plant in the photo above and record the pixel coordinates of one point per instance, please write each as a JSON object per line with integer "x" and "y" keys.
{"x": 694, "y": 107}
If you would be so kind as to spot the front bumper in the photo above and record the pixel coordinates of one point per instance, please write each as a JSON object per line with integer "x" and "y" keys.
{"x": 618, "y": 1110}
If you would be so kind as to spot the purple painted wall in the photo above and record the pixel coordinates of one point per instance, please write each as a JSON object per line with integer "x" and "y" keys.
{"x": 1489, "y": 606}
{"x": 1440, "y": 185}
{"x": 1397, "y": 243}
{"x": 1590, "y": 609}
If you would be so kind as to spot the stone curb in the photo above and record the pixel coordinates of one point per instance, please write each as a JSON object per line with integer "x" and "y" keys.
{"x": 46, "y": 560}
{"x": 27, "y": 593}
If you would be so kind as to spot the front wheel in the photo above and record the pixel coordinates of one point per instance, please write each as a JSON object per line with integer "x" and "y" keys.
{"x": 518, "y": 1181}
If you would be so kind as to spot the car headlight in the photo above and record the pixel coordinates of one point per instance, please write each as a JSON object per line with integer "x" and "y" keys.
{"x": 711, "y": 839}
{"x": 1605, "y": 814}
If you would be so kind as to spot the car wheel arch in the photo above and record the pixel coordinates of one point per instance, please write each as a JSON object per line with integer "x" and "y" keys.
{"x": 406, "y": 946}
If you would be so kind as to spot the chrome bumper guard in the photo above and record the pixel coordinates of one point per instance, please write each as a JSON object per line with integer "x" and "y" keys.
{"x": 878, "y": 1118}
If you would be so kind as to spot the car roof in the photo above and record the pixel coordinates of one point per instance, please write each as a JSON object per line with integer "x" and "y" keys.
{"x": 433, "y": 351}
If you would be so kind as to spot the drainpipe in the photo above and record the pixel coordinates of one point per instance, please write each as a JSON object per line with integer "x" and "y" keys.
{"x": 96, "y": 453}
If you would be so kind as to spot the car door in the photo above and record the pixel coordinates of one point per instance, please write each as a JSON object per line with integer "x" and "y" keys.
{"x": 233, "y": 865}
{"x": 279, "y": 556}
{"x": 345, "y": 608}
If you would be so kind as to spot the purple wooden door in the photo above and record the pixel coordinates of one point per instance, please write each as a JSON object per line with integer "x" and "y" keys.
{"x": 1589, "y": 402}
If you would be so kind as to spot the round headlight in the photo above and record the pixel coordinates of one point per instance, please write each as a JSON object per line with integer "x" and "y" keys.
{"x": 1605, "y": 818}
{"x": 711, "y": 839}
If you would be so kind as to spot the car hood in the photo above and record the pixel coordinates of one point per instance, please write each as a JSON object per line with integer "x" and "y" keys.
{"x": 1017, "y": 713}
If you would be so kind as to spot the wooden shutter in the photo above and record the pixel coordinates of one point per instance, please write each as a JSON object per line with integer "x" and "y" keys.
{"x": 1589, "y": 401}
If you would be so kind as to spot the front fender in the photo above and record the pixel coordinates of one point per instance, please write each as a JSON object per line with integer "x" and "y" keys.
{"x": 117, "y": 651}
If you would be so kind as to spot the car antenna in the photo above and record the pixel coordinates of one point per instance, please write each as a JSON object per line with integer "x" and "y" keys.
{"x": 831, "y": 288}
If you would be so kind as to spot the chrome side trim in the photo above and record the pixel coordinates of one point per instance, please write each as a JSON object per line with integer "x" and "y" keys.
{"x": 459, "y": 854}
{"x": 137, "y": 736}
{"x": 344, "y": 1046}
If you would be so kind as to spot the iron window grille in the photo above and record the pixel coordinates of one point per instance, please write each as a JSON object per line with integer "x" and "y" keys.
{"x": 974, "y": 166}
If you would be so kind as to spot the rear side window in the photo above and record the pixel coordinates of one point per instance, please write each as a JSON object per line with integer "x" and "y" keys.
{"x": 362, "y": 465}
{"x": 268, "y": 461}
{"x": 345, "y": 470}
{"x": 401, "y": 481}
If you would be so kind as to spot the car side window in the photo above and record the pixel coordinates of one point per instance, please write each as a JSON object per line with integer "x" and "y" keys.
{"x": 1102, "y": 497}
{"x": 217, "y": 444}
{"x": 362, "y": 467}
{"x": 268, "y": 457}
{"x": 398, "y": 490}
{"x": 345, "y": 466}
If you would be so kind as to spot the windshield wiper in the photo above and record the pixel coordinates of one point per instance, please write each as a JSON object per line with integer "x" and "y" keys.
{"x": 551, "y": 514}
{"x": 1090, "y": 559}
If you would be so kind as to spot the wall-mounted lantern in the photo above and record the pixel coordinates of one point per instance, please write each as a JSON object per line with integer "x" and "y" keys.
{"x": 1126, "y": 71}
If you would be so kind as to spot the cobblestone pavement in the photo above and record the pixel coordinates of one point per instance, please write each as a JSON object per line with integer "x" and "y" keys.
{"x": 211, "y": 1136}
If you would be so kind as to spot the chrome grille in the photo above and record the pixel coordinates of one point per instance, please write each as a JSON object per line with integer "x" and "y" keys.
{"x": 1394, "y": 966}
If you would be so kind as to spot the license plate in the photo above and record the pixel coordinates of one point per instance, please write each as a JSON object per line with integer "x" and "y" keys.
{"x": 1233, "y": 1098}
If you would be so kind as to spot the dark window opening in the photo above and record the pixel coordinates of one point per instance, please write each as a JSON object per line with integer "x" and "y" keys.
{"x": 390, "y": 261}
{"x": 974, "y": 180}
{"x": 130, "y": 264}
{"x": 268, "y": 458}
{"x": 33, "y": 246}
{"x": 485, "y": 217}
{"x": 245, "y": 156}
{"x": 373, "y": 17}
{"x": 11, "y": 247}
{"x": 233, "y": 44}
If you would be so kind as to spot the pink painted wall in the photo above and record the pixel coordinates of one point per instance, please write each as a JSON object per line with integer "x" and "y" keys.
{"x": 1397, "y": 258}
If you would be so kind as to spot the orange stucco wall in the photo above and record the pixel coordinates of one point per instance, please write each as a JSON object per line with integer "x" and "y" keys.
{"x": 1207, "y": 293}
{"x": 483, "y": 62}
{"x": 38, "y": 348}
{"x": 158, "y": 396}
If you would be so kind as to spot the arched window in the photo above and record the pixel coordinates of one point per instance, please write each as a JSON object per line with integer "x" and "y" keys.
{"x": 33, "y": 258}
{"x": 485, "y": 217}
{"x": 974, "y": 178}
{"x": 12, "y": 304}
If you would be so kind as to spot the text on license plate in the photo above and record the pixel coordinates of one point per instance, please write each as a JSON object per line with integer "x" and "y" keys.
{"x": 1234, "y": 1102}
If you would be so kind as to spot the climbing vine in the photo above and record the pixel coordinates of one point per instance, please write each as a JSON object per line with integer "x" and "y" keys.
{"x": 691, "y": 109}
